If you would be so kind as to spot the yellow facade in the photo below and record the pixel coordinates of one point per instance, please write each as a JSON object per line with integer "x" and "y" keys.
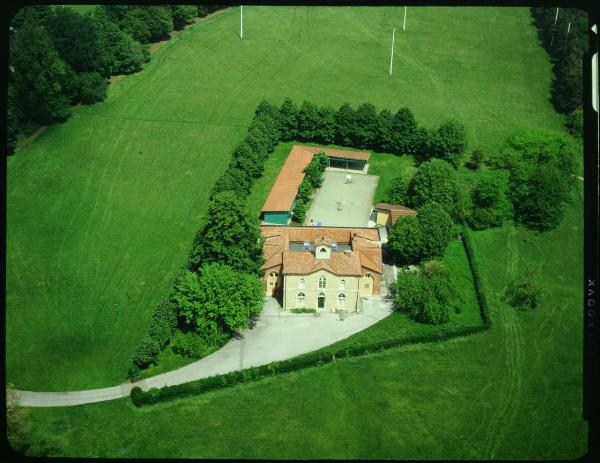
{"x": 383, "y": 217}
{"x": 321, "y": 288}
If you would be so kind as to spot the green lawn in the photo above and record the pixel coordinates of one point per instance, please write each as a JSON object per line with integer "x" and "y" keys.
{"x": 102, "y": 211}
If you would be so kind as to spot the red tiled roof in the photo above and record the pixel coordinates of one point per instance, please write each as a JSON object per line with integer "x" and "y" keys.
{"x": 281, "y": 197}
{"x": 366, "y": 250}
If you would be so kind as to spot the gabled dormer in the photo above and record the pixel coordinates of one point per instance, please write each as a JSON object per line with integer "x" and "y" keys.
{"x": 323, "y": 248}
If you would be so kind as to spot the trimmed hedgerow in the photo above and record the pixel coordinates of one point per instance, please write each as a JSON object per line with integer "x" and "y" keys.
{"x": 467, "y": 241}
{"x": 312, "y": 359}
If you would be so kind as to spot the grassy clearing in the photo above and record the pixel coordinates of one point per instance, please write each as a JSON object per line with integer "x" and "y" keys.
{"x": 97, "y": 230}
{"x": 513, "y": 392}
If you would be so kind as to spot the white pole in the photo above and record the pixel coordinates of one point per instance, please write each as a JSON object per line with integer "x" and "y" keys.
{"x": 569, "y": 28}
{"x": 241, "y": 21}
{"x": 556, "y": 16}
{"x": 404, "y": 24}
{"x": 392, "y": 56}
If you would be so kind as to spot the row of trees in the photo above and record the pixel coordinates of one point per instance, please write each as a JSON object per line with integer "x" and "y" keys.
{"x": 219, "y": 289}
{"x": 365, "y": 128}
{"x": 566, "y": 47}
{"x": 59, "y": 57}
{"x": 313, "y": 178}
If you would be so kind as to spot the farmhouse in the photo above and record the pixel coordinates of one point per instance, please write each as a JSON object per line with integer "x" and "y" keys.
{"x": 326, "y": 268}
{"x": 388, "y": 214}
{"x": 278, "y": 207}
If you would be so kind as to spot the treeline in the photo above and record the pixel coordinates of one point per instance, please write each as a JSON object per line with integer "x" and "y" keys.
{"x": 59, "y": 57}
{"x": 566, "y": 47}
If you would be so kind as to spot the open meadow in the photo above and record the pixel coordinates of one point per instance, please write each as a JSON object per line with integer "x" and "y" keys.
{"x": 102, "y": 211}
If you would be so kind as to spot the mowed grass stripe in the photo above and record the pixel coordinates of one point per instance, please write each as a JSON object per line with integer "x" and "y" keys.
{"x": 165, "y": 134}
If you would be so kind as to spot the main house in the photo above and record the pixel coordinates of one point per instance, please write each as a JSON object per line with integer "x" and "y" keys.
{"x": 326, "y": 268}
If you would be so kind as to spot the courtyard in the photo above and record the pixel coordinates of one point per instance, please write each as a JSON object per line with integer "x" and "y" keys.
{"x": 339, "y": 203}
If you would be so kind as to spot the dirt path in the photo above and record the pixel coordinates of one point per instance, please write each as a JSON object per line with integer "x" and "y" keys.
{"x": 115, "y": 78}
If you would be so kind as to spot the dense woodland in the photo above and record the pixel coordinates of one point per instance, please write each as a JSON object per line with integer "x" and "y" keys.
{"x": 59, "y": 57}
{"x": 565, "y": 38}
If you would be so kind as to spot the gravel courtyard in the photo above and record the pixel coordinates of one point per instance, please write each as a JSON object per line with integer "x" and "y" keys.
{"x": 355, "y": 200}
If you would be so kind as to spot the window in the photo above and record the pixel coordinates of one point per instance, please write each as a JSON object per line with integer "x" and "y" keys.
{"x": 342, "y": 284}
{"x": 301, "y": 283}
{"x": 342, "y": 300}
{"x": 368, "y": 278}
{"x": 272, "y": 279}
{"x": 301, "y": 298}
{"x": 322, "y": 282}
{"x": 323, "y": 250}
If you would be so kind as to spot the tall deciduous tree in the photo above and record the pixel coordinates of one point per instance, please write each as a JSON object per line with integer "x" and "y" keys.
{"x": 436, "y": 180}
{"x": 308, "y": 121}
{"x": 346, "y": 126}
{"x": 230, "y": 236}
{"x": 38, "y": 75}
{"x": 437, "y": 229}
{"x": 182, "y": 15}
{"x": 218, "y": 300}
{"x": 398, "y": 191}
{"x": 406, "y": 240}
{"x": 491, "y": 206}
{"x": 76, "y": 39}
{"x": 289, "y": 120}
{"x": 449, "y": 142}
{"x": 366, "y": 126}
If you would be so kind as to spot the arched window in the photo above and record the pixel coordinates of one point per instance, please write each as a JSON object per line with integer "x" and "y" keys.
{"x": 322, "y": 282}
{"x": 301, "y": 298}
{"x": 323, "y": 250}
{"x": 368, "y": 279}
{"x": 342, "y": 300}
{"x": 301, "y": 283}
{"x": 342, "y": 284}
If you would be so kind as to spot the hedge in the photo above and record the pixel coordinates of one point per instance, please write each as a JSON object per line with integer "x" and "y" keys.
{"x": 312, "y": 359}
{"x": 467, "y": 241}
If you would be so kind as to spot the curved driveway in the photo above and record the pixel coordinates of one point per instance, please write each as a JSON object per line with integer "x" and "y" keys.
{"x": 277, "y": 335}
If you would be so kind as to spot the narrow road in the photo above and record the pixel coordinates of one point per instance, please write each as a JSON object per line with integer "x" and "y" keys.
{"x": 277, "y": 335}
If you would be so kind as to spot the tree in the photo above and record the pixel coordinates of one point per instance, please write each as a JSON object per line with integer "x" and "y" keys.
{"x": 523, "y": 294}
{"x": 436, "y": 228}
{"x": 35, "y": 14}
{"x": 366, "y": 126}
{"x": 406, "y": 240}
{"x": 217, "y": 301}
{"x": 230, "y": 236}
{"x": 38, "y": 76}
{"x": 397, "y": 193}
{"x": 539, "y": 163}
{"x": 574, "y": 123}
{"x": 235, "y": 180}
{"x": 436, "y": 180}
{"x": 76, "y": 39}
{"x": 299, "y": 211}
{"x": 12, "y": 121}
{"x": 146, "y": 352}
{"x": 246, "y": 160}
{"x": 449, "y": 142}
{"x": 263, "y": 134}
{"x": 346, "y": 125}
{"x": 126, "y": 54}
{"x": 384, "y": 132}
{"x": 92, "y": 88}
{"x": 542, "y": 206}
{"x": 425, "y": 296}
{"x": 202, "y": 11}
{"x": 477, "y": 157}
{"x": 313, "y": 172}
{"x": 326, "y": 127}
{"x": 308, "y": 121}
{"x": 289, "y": 120}
{"x": 404, "y": 137}
{"x": 491, "y": 205}
{"x": 182, "y": 15}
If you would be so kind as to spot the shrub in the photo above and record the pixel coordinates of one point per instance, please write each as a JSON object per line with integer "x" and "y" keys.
{"x": 302, "y": 310}
{"x": 299, "y": 211}
{"x": 523, "y": 294}
{"x": 92, "y": 87}
{"x": 146, "y": 352}
{"x": 491, "y": 205}
{"x": 164, "y": 322}
{"x": 574, "y": 123}
{"x": 477, "y": 157}
{"x": 189, "y": 345}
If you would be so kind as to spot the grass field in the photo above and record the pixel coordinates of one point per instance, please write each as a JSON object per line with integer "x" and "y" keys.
{"x": 102, "y": 211}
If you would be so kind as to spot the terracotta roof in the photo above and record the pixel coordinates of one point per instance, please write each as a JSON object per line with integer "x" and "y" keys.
{"x": 304, "y": 262}
{"x": 366, "y": 250}
{"x": 393, "y": 207}
{"x": 397, "y": 213}
{"x": 281, "y": 197}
